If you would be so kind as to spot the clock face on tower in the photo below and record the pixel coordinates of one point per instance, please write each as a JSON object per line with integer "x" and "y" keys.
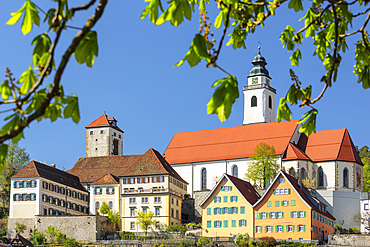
{"x": 255, "y": 80}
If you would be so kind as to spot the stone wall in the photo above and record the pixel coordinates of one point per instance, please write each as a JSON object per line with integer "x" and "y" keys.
{"x": 199, "y": 196}
{"x": 187, "y": 211}
{"x": 82, "y": 228}
{"x": 349, "y": 240}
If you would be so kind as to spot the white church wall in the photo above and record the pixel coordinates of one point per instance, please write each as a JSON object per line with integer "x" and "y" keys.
{"x": 351, "y": 175}
{"x": 270, "y": 112}
{"x": 254, "y": 114}
{"x": 365, "y": 210}
{"x": 329, "y": 174}
{"x": 186, "y": 173}
{"x": 214, "y": 171}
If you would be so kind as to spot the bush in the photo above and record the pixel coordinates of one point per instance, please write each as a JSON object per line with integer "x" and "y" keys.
{"x": 71, "y": 242}
{"x": 242, "y": 239}
{"x": 285, "y": 243}
{"x": 195, "y": 226}
{"x": 127, "y": 236}
{"x": 338, "y": 227}
{"x": 155, "y": 245}
{"x": 268, "y": 240}
{"x": 39, "y": 238}
{"x": 202, "y": 241}
{"x": 162, "y": 245}
{"x": 354, "y": 230}
{"x": 19, "y": 227}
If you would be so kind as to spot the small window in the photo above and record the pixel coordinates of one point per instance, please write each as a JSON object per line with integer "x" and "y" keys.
{"x": 119, "y": 136}
{"x": 366, "y": 206}
{"x": 254, "y": 101}
{"x": 270, "y": 102}
{"x": 102, "y": 132}
{"x": 156, "y": 211}
{"x": 111, "y": 205}
{"x": 91, "y": 132}
{"x": 132, "y": 225}
{"x": 114, "y": 134}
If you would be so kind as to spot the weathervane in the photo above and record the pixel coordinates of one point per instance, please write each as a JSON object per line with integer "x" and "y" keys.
{"x": 259, "y": 47}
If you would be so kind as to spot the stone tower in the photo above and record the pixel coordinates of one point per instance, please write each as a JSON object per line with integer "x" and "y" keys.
{"x": 103, "y": 137}
{"x": 259, "y": 96}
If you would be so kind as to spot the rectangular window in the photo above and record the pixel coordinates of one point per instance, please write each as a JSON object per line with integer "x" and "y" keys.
{"x": 226, "y": 223}
{"x": 225, "y": 210}
{"x": 269, "y": 204}
{"x": 209, "y": 224}
{"x": 102, "y": 132}
{"x": 242, "y": 210}
{"x": 154, "y": 179}
{"x": 284, "y": 203}
{"x": 145, "y": 209}
{"x": 156, "y": 211}
{"x": 302, "y": 214}
{"x": 281, "y": 180}
{"x": 268, "y": 228}
{"x": 276, "y": 192}
{"x": 217, "y": 199}
{"x": 280, "y": 215}
{"x": 292, "y": 203}
{"x": 301, "y": 228}
{"x": 225, "y": 198}
{"x": 209, "y": 210}
{"x": 234, "y": 210}
{"x": 279, "y": 228}
{"x": 217, "y": 223}
{"x": 289, "y": 228}
{"x": 294, "y": 214}
{"x": 144, "y": 200}
{"x": 132, "y": 180}
{"x": 277, "y": 203}
{"x": 217, "y": 211}
{"x": 366, "y": 206}
{"x": 233, "y": 198}
{"x": 258, "y": 229}
{"x": 161, "y": 179}
{"x": 242, "y": 222}
{"x": 272, "y": 215}
{"x": 263, "y": 215}
{"x": 91, "y": 132}
{"x": 146, "y": 180}
{"x": 233, "y": 223}
{"x": 132, "y": 224}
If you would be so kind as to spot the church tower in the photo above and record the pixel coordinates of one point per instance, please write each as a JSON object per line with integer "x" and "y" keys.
{"x": 259, "y": 96}
{"x": 104, "y": 137}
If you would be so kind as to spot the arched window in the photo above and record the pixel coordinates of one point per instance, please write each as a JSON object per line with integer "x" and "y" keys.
{"x": 270, "y": 102}
{"x": 235, "y": 170}
{"x": 303, "y": 173}
{"x": 254, "y": 101}
{"x": 321, "y": 176}
{"x": 203, "y": 179}
{"x": 292, "y": 172}
{"x": 345, "y": 178}
{"x": 97, "y": 207}
{"x": 111, "y": 205}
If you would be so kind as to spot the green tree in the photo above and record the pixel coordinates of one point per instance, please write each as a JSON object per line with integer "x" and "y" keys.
{"x": 19, "y": 227}
{"x": 145, "y": 221}
{"x": 264, "y": 166}
{"x": 17, "y": 158}
{"x": 39, "y": 237}
{"x": 178, "y": 228}
{"x": 55, "y": 236}
{"x": 104, "y": 208}
{"x": 242, "y": 239}
{"x": 113, "y": 217}
{"x": 364, "y": 154}
{"x": 38, "y": 93}
{"x": 327, "y": 23}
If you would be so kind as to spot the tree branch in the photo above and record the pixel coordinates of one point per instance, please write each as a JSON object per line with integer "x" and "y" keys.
{"x": 58, "y": 75}
{"x": 312, "y": 22}
{"x": 255, "y": 4}
{"x": 214, "y": 59}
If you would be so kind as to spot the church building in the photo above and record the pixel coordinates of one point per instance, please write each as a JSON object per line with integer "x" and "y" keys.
{"x": 327, "y": 157}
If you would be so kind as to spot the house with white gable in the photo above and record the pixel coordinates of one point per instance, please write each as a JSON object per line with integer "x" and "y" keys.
{"x": 328, "y": 157}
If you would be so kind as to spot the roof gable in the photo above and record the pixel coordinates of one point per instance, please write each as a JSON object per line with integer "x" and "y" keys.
{"x": 294, "y": 153}
{"x": 228, "y": 143}
{"x": 107, "y": 179}
{"x": 245, "y": 189}
{"x": 104, "y": 121}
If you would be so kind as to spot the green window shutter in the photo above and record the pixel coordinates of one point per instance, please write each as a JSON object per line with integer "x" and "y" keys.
{"x": 282, "y": 228}
{"x": 265, "y": 228}
{"x": 287, "y": 203}
{"x": 225, "y": 198}
{"x": 269, "y": 204}
{"x": 256, "y": 215}
{"x": 222, "y": 188}
{"x": 273, "y": 191}
{"x": 236, "y": 209}
{"x": 231, "y": 188}
{"x": 288, "y": 191}
{"x": 254, "y": 229}
{"x": 222, "y": 211}
{"x": 291, "y": 214}
{"x": 269, "y": 215}
{"x": 293, "y": 203}
{"x": 214, "y": 199}
{"x": 272, "y": 229}
{"x": 282, "y": 214}
{"x": 277, "y": 203}
{"x": 225, "y": 223}
{"x": 20, "y": 184}
{"x": 293, "y": 227}
{"x": 287, "y": 229}
{"x": 113, "y": 190}
{"x": 240, "y": 223}
{"x": 106, "y": 191}
{"x": 209, "y": 211}
{"x": 14, "y": 197}
{"x": 229, "y": 211}
{"x": 214, "y": 211}
{"x": 283, "y": 180}
{"x": 242, "y": 210}
{"x": 15, "y": 184}
{"x": 214, "y": 223}
{"x": 276, "y": 229}
{"x": 100, "y": 191}
{"x": 233, "y": 223}
{"x": 231, "y": 199}
{"x": 28, "y": 184}
{"x": 209, "y": 223}
{"x": 236, "y": 198}
{"x": 259, "y": 215}
{"x": 304, "y": 214}
{"x": 304, "y": 228}
{"x": 34, "y": 197}
{"x": 20, "y": 197}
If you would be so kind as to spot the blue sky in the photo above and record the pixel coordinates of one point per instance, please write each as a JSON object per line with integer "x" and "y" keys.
{"x": 134, "y": 80}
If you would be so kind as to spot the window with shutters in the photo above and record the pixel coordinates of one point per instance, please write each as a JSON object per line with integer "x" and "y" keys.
{"x": 234, "y": 210}
{"x": 253, "y": 101}
{"x": 242, "y": 210}
{"x": 225, "y": 198}
{"x": 209, "y": 210}
{"x": 294, "y": 214}
{"x": 302, "y": 214}
{"x": 209, "y": 224}
{"x": 242, "y": 222}
{"x": 233, "y": 198}
{"x": 272, "y": 215}
{"x": 217, "y": 211}
{"x": 226, "y": 223}
{"x": 285, "y": 203}
{"x": 263, "y": 215}
{"x": 280, "y": 215}
{"x": 268, "y": 228}
{"x": 258, "y": 229}
{"x": 292, "y": 203}
{"x": 277, "y": 203}
{"x": 290, "y": 228}
{"x": 268, "y": 203}
{"x": 279, "y": 228}
{"x": 217, "y": 223}
{"x": 226, "y": 210}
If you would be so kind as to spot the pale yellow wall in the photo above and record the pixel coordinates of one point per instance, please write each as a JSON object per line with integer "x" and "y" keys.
{"x": 24, "y": 209}
{"x": 104, "y": 197}
{"x": 228, "y": 231}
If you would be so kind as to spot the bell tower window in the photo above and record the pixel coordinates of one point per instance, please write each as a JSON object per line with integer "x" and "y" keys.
{"x": 254, "y": 101}
{"x": 270, "y": 102}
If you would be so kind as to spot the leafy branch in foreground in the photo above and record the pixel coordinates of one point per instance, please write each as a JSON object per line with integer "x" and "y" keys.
{"x": 327, "y": 23}
{"x": 28, "y": 98}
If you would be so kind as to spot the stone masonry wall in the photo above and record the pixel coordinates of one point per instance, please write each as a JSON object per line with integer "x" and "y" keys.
{"x": 82, "y": 228}
{"x": 199, "y": 196}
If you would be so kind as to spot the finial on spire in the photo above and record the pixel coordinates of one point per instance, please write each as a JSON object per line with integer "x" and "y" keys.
{"x": 259, "y": 47}
{"x": 105, "y": 113}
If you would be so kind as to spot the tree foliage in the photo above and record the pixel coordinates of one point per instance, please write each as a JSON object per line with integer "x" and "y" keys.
{"x": 104, "y": 208}
{"x": 145, "y": 221}
{"x": 364, "y": 154}
{"x": 327, "y": 23}
{"x": 17, "y": 158}
{"x": 19, "y": 227}
{"x": 178, "y": 228}
{"x": 38, "y": 92}
{"x": 241, "y": 239}
{"x": 264, "y": 166}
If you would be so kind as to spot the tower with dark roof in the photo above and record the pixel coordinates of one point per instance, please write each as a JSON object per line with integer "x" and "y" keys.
{"x": 104, "y": 137}
{"x": 259, "y": 96}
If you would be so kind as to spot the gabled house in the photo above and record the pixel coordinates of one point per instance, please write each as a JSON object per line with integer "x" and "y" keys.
{"x": 228, "y": 208}
{"x": 288, "y": 211}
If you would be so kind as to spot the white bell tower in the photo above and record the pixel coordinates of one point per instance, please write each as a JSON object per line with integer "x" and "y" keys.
{"x": 259, "y": 96}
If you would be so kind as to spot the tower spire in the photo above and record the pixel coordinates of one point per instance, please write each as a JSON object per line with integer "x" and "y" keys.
{"x": 259, "y": 47}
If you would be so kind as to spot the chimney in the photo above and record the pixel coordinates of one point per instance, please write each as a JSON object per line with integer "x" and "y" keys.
{"x": 53, "y": 165}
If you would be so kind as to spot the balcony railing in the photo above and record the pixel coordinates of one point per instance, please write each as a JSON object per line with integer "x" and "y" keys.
{"x": 152, "y": 190}
{"x": 260, "y": 86}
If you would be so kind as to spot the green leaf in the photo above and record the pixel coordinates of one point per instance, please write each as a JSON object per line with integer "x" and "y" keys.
{"x": 296, "y": 4}
{"x": 295, "y": 57}
{"x": 309, "y": 122}
{"x": 176, "y": 12}
{"x": 238, "y": 37}
{"x": 87, "y": 49}
{"x": 30, "y": 17}
{"x": 283, "y": 111}
{"x": 286, "y": 38}
{"x": 40, "y": 53}
{"x": 223, "y": 98}
{"x": 5, "y": 90}
{"x": 53, "y": 111}
{"x": 28, "y": 78}
{"x": 3, "y": 154}
{"x": 152, "y": 10}
{"x": 197, "y": 51}
{"x": 72, "y": 110}
{"x": 309, "y": 17}
{"x": 36, "y": 101}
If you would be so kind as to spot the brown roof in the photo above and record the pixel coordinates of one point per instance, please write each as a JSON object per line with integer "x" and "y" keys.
{"x": 330, "y": 145}
{"x": 151, "y": 163}
{"x": 228, "y": 143}
{"x": 103, "y": 121}
{"x": 305, "y": 195}
{"x": 18, "y": 237}
{"x": 90, "y": 169}
{"x": 294, "y": 153}
{"x": 107, "y": 179}
{"x": 246, "y": 189}
{"x": 37, "y": 169}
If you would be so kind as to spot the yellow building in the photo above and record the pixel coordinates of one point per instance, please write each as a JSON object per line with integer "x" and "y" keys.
{"x": 288, "y": 211}
{"x": 151, "y": 184}
{"x": 228, "y": 208}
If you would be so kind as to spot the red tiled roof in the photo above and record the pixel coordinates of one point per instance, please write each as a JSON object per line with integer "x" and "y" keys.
{"x": 305, "y": 194}
{"x": 107, "y": 179}
{"x": 228, "y": 143}
{"x": 37, "y": 169}
{"x": 329, "y": 145}
{"x": 103, "y": 121}
{"x": 151, "y": 163}
{"x": 246, "y": 189}
{"x": 294, "y": 153}
{"x": 90, "y": 169}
